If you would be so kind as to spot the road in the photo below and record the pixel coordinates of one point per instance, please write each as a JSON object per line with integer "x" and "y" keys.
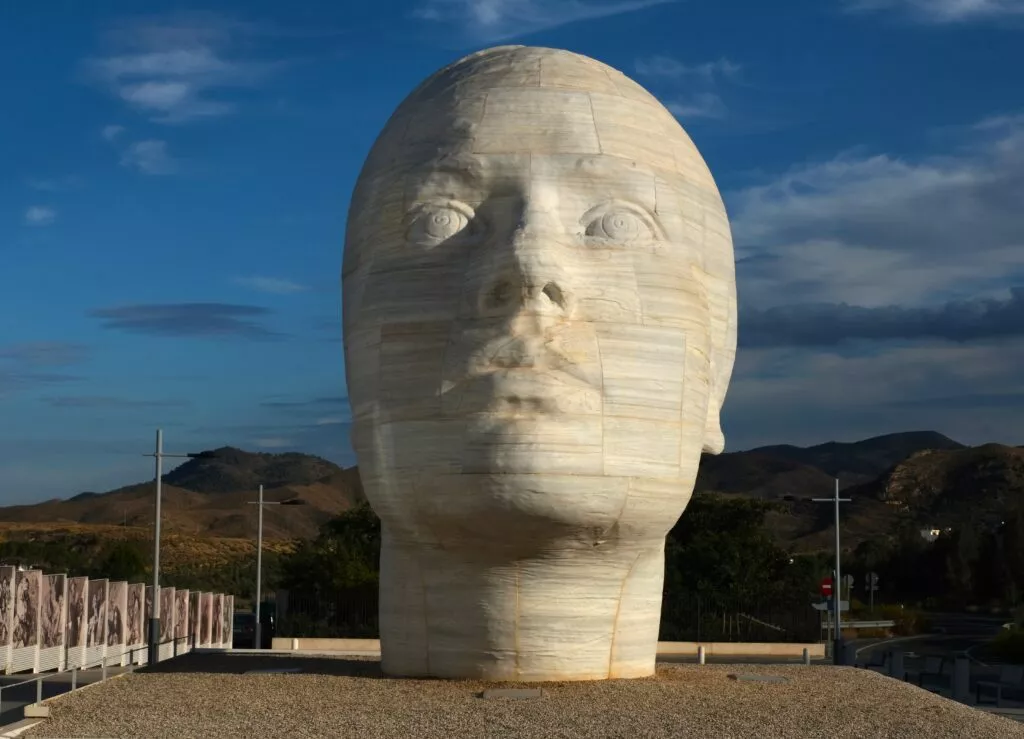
{"x": 952, "y": 634}
{"x": 14, "y": 699}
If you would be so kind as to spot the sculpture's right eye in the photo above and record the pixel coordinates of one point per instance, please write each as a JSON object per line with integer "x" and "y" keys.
{"x": 435, "y": 224}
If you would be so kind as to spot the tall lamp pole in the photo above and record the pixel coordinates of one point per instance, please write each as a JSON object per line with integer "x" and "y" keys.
{"x": 154, "y": 616}
{"x": 837, "y": 594}
{"x": 257, "y": 636}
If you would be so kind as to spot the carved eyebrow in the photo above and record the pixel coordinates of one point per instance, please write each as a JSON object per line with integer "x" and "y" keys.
{"x": 466, "y": 168}
{"x": 610, "y": 165}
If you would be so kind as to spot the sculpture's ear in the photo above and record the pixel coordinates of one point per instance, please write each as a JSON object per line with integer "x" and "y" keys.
{"x": 720, "y": 281}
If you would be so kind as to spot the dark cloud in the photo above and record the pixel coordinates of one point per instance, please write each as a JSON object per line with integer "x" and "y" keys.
{"x": 106, "y": 402}
{"x": 189, "y": 320}
{"x": 26, "y": 365}
{"x": 831, "y": 324}
{"x": 338, "y": 400}
{"x": 44, "y": 353}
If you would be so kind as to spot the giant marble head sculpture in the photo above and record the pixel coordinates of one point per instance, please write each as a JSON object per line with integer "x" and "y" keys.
{"x": 540, "y": 326}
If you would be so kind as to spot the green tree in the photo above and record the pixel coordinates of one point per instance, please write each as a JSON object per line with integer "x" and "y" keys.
{"x": 121, "y": 560}
{"x": 345, "y": 554}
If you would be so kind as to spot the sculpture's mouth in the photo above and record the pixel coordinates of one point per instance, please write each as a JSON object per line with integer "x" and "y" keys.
{"x": 523, "y": 392}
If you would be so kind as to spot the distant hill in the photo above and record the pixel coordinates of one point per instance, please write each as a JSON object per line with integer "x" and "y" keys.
{"x": 210, "y": 497}
{"x": 952, "y": 487}
{"x": 860, "y": 461}
{"x": 776, "y": 471}
{"x": 921, "y": 478}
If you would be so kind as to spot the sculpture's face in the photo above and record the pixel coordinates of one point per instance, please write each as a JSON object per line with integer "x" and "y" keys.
{"x": 529, "y": 312}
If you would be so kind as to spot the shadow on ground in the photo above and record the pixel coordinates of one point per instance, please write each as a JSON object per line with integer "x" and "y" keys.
{"x": 237, "y": 664}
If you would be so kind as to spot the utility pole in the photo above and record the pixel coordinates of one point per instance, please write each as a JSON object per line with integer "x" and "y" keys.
{"x": 258, "y": 642}
{"x": 258, "y": 632}
{"x": 837, "y": 595}
{"x": 154, "y": 616}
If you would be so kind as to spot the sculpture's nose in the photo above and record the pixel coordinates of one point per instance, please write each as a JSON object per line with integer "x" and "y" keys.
{"x": 526, "y": 276}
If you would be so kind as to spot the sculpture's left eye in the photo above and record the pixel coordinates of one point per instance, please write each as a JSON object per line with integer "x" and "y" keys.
{"x": 621, "y": 224}
{"x": 435, "y": 224}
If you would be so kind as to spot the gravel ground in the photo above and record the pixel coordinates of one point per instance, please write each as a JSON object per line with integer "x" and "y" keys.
{"x": 208, "y": 696}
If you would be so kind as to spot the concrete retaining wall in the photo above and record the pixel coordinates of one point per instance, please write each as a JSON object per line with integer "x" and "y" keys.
{"x": 745, "y": 649}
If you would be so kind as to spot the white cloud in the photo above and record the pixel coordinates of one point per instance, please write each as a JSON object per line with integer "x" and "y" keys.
{"x": 689, "y": 91}
{"x": 944, "y": 11}
{"x": 666, "y": 66}
{"x": 272, "y": 442}
{"x": 699, "y": 105}
{"x": 111, "y": 132}
{"x": 875, "y": 230}
{"x": 149, "y": 157}
{"x": 55, "y": 184}
{"x": 40, "y": 215}
{"x": 274, "y": 285}
{"x": 974, "y": 393}
{"x": 488, "y": 21}
{"x": 331, "y": 421}
{"x": 177, "y": 71}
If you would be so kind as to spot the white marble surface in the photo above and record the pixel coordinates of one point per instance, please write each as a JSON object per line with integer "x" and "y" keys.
{"x": 540, "y": 327}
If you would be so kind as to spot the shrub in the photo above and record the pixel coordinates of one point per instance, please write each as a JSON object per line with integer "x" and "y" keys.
{"x": 1008, "y": 646}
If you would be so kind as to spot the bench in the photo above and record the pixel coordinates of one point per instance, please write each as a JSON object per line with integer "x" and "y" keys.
{"x": 876, "y": 659}
{"x": 1010, "y": 676}
{"x": 932, "y": 667}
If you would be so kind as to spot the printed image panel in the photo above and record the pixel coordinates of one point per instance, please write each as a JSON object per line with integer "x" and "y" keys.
{"x": 77, "y": 611}
{"x": 166, "y": 614}
{"x": 226, "y": 629}
{"x": 180, "y": 614}
{"x": 117, "y": 605}
{"x": 27, "y": 587}
{"x": 218, "y": 619}
{"x": 96, "y": 634}
{"x": 6, "y": 609}
{"x": 134, "y": 613}
{"x": 52, "y": 597}
{"x": 149, "y": 607}
{"x": 193, "y": 617}
{"x": 205, "y": 610}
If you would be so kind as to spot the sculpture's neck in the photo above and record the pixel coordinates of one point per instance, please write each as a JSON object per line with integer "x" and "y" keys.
{"x": 577, "y": 613}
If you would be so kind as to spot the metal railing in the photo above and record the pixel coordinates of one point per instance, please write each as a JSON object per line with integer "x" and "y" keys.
{"x": 353, "y": 613}
{"x": 68, "y": 680}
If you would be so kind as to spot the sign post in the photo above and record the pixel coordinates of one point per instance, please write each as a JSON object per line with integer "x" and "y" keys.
{"x": 837, "y": 647}
{"x": 872, "y": 579}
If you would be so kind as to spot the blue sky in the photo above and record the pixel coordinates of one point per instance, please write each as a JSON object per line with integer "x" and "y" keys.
{"x": 174, "y": 188}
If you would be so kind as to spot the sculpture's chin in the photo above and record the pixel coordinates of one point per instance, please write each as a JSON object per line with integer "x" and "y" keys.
{"x": 519, "y": 507}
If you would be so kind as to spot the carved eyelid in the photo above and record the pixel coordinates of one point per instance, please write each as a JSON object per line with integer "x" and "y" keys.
{"x": 638, "y": 210}
{"x": 420, "y": 207}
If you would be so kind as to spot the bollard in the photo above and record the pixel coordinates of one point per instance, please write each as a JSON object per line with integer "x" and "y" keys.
{"x": 74, "y": 678}
{"x": 295, "y": 643}
{"x": 104, "y": 668}
{"x": 961, "y": 682}
{"x": 896, "y": 666}
{"x": 39, "y": 691}
{"x": 807, "y": 656}
{"x": 700, "y": 655}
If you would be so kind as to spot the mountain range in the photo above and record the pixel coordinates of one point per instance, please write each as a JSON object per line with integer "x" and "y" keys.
{"x": 920, "y": 478}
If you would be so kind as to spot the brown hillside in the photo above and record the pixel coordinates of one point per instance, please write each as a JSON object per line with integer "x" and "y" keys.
{"x": 210, "y": 506}
{"x": 950, "y": 488}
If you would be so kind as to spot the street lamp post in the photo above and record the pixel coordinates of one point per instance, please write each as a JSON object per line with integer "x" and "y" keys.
{"x": 257, "y": 636}
{"x": 154, "y": 616}
{"x": 837, "y": 592}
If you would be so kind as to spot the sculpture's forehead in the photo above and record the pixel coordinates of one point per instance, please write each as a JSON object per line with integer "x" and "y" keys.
{"x": 543, "y": 121}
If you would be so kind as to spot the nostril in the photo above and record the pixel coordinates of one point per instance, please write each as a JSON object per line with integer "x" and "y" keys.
{"x": 499, "y": 294}
{"x": 554, "y": 293}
